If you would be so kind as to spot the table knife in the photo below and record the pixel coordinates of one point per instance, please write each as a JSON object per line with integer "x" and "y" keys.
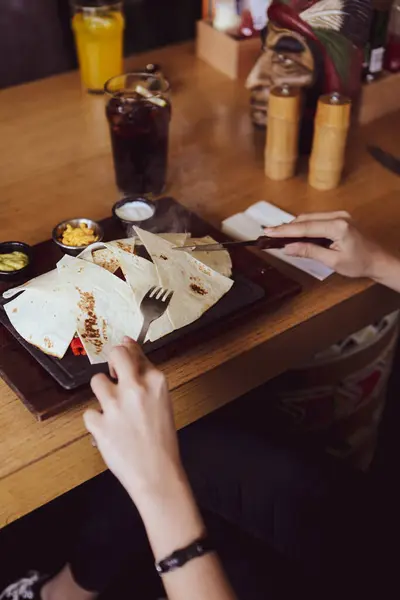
{"x": 263, "y": 242}
{"x": 385, "y": 159}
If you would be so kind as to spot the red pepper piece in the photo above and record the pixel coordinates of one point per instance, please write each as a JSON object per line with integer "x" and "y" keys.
{"x": 77, "y": 347}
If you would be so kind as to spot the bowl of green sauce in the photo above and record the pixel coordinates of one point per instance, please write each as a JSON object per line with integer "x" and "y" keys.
{"x": 15, "y": 260}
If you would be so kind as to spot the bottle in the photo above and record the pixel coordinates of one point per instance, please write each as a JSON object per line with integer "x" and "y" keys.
{"x": 392, "y": 53}
{"x": 375, "y": 48}
{"x": 330, "y": 135}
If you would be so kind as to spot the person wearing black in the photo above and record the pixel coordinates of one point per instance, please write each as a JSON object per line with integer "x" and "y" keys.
{"x": 306, "y": 508}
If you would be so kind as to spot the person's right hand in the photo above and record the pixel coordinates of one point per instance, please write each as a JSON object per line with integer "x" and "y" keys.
{"x": 351, "y": 253}
{"x": 135, "y": 431}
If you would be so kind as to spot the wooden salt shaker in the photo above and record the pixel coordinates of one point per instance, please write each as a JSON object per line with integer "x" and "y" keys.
{"x": 330, "y": 134}
{"x": 281, "y": 149}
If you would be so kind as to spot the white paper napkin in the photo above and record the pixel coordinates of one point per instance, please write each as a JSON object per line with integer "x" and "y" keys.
{"x": 246, "y": 226}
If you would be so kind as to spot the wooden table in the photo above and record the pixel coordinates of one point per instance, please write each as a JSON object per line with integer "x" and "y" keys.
{"x": 55, "y": 162}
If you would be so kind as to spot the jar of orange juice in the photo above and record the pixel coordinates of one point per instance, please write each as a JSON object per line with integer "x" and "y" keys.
{"x": 98, "y": 27}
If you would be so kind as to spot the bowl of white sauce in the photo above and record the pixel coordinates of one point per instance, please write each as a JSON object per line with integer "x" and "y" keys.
{"x": 133, "y": 211}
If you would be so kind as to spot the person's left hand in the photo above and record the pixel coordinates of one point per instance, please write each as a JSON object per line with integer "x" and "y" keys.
{"x": 351, "y": 253}
{"x": 135, "y": 432}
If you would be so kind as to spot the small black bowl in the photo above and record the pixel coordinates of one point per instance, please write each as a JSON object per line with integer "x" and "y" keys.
{"x": 6, "y": 248}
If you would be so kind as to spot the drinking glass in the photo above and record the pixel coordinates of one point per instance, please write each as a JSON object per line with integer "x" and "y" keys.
{"x": 138, "y": 112}
{"x": 98, "y": 27}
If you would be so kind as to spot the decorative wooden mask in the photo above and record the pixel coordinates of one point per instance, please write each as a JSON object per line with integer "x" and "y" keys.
{"x": 317, "y": 45}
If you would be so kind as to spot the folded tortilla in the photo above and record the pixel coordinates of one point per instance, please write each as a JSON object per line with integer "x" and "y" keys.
{"x": 107, "y": 309}
{"x": 45, "y": 313}
{"x": 105, "y": 254}
{"x": 196, "y": 287}
{"x": 217, "y": 261}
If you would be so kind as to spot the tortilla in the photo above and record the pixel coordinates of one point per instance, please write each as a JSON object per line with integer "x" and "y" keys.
{"x": 106, "y": 259}
{"x": 45, "y": 313}
{"x": 218, "y": 261}
{"x": 177, "y": 239}
{"x": 104, "y": 254}
{"x": 107, "y": 310}
{"x": 141, "y": 275}
{"x": 196, "y": 287}
{"x": 127, "y": 245}
{"x": 42, "y": 282}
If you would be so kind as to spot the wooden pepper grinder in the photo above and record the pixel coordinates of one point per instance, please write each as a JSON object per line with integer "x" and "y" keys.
{"x": 281, "y": 149}
{"x": 330, "y": 134}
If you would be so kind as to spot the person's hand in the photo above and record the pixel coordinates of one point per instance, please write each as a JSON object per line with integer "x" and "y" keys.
{"x": 135, "y": 432}
{"x": 351, "y": 253}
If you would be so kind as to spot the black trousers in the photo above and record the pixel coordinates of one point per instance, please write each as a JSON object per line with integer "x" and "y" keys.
{"x": 305, "y": 508}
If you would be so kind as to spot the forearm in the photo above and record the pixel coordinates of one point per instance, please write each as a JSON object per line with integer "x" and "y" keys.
{"x": 386, "y": 270}
{"x": 173, "y": 521}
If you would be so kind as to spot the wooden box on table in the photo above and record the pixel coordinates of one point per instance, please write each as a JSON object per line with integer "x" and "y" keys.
{"x": 235, "y": 58}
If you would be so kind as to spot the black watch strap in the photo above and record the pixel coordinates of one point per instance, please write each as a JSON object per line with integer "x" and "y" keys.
{"x": 183, "y": 555}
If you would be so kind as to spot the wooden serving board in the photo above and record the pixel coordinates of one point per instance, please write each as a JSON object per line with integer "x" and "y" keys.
{"x": 47, "y": 386}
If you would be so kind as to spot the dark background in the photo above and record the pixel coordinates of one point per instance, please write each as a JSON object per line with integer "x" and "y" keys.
{"x": 36, "y": 39}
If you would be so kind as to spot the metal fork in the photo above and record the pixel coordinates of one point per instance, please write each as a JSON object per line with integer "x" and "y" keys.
{"x": 152, "y": 307}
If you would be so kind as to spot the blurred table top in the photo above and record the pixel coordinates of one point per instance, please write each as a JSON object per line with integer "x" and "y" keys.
{"x": 55, "y": 158}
